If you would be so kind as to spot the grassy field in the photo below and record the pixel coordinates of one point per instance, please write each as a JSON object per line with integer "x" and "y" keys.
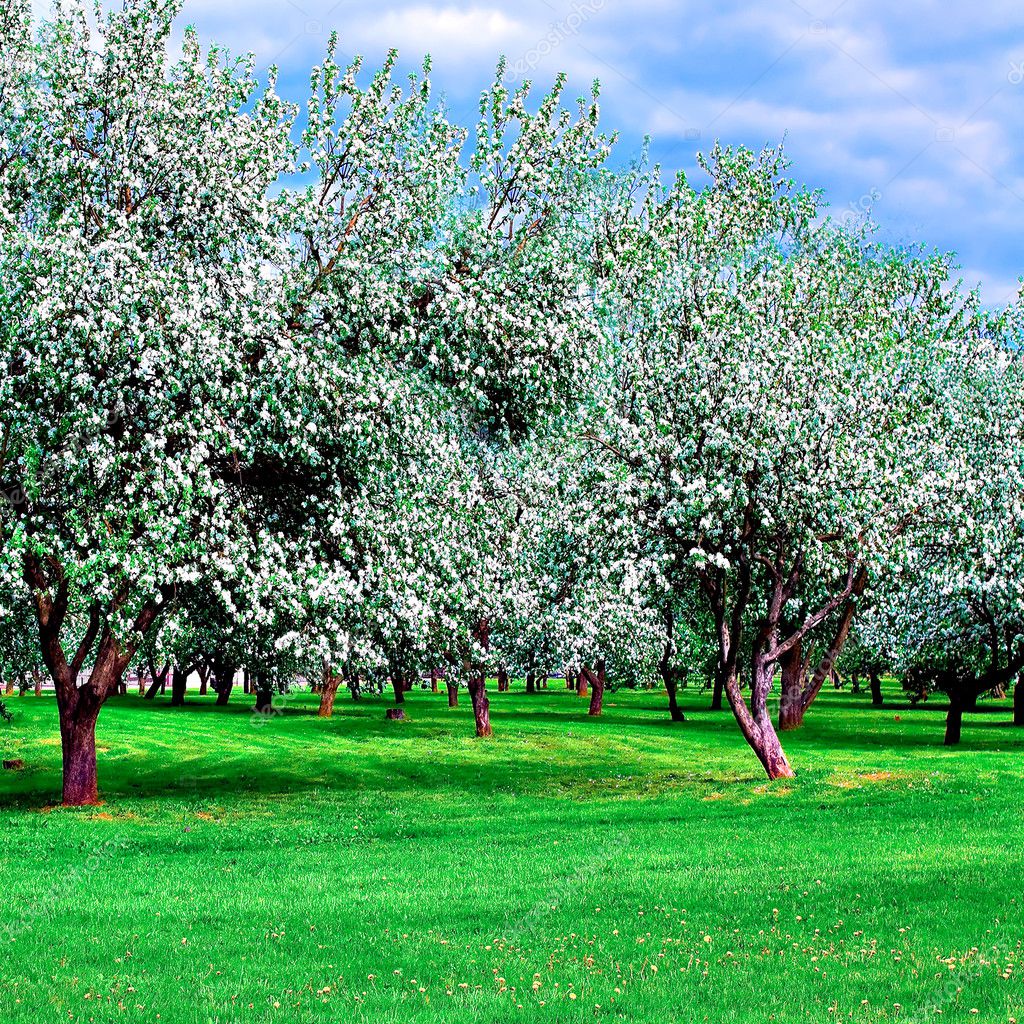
{"x": 624, "y": 868}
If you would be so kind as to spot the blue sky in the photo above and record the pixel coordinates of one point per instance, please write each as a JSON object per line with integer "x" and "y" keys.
{"x": 914, "y": 108}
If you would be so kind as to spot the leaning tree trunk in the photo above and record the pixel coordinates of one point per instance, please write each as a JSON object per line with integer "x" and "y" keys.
{"x": 179, "y": 681}
{"x": 596, "y": 689}
{"x": 791, "y": 704}
{"x": 876, "y": 689}
{"x": 1018, "y": 703}
{"x": 481, "y": 705}
{"x": 755, "y": 722}
{"x": 328, "y": 691}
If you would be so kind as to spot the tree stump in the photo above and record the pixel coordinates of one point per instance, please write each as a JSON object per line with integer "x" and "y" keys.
{"x": 14, "y": 765}
{"x": 395, "y": 714}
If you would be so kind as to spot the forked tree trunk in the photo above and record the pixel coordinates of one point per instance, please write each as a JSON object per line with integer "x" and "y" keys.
{"x": 159, "y": 681}
{"x": 791, "y": 705}
{"x": 481, "y": 705}
{"x": 596, "y": 689}
{"x": 328, "y": 691}
{"x": 1018, "y": 703}
{"x": 876, "y": 689}
{"x": 755, "y": 723}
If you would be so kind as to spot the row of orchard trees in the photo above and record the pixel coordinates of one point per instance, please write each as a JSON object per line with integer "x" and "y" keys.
{"x": 367, "y": 392}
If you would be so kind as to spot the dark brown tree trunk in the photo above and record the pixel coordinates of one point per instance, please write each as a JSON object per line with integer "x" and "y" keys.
{"x": 954, "y": 720}
{"x": 39, "y": 683}
{"x": 398, "y": 685}
{"x": 1018, "y": 703}
{"x": 264, "y": 697}
{"x": 667, "y": 673}
{"x": 433, "y": 680}
{"x": 531, "y": 686}
{"x": 481, "y": 705}
{"x": 502, "y": 679}
{"x": 791, "y": 705}
{"x": 159, "y": 681}
{"x": 855, "y": 683}
{"x": 596, "y": 689}
{"x": 204, "y": 680}
{"x": 328, "y": 691}
{"x": 719, "y": 690}
{"x": 452, "y": 686}
{"x": 225, "y": 684}
{"x": 876, "y": 689}
{"x": 78, "y": 747}
{"x": 570, "y": 682}
{"x": 179, "y": 680}
{"x": 246, "y": 681}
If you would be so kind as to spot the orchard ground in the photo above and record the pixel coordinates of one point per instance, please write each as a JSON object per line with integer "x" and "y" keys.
{"x": 569, "y": 869}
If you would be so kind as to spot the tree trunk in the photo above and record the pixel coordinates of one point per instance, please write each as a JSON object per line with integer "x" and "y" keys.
{"x": 481, "y": 705}
{"x": 328, "y": 691}
{"x": 954, "y": 720}
{"x": 398, "y": 685}
{"x": 204, "y": 680}
{"x": 718, "y": 692}
{"x": 78, "y": 748}
{"x": 179, "y": 680}
{"x": 159, "y": 681}
{"x": 581, "y": 683}
{"x": 452, "y": 686}
{"x": 755, "y": 723}
{"x": 791, "y": 705}
{"x": 596, "y": 689}
{"x": 264, "y": 698}
{"x": 876, "y": 689}
{"x": 224, "y": 678}
{"x": 433, "y": 680}
{"x": 531, "y": 686}
{"x": 667, "y": 673}
{"x": 1018, "y": 703}
{"x": 9, "y": 687}
{"x": 502, "y": 679}
{"x": 39, "y": 682}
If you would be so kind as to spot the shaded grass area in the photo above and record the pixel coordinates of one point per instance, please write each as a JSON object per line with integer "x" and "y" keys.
{"x": 623, "y": 868}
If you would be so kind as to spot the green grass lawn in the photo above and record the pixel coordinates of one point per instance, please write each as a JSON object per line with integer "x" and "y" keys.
{"x": 570, "y": 869}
